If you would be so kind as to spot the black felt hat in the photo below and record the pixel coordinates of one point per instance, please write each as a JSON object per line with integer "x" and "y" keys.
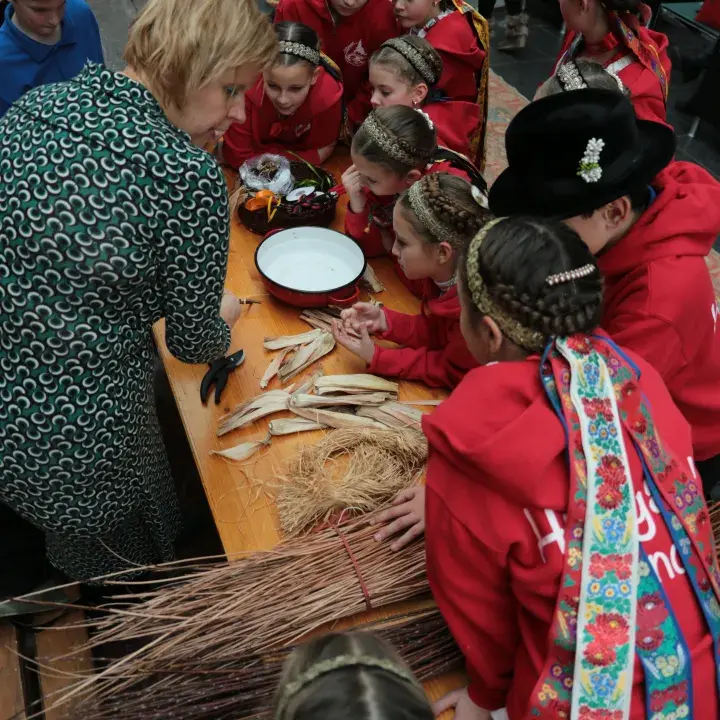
{"x": 548, "y": 141}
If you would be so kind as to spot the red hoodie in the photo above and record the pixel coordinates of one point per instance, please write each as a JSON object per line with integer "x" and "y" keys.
{"x": 455, "y": 123}
{"x": 348, "y": 41}
{"x": 462, "y": 56}
{"x": 315, "y": 124}
{"x": 646, "y": 93}
{"x": 366, "y": 227}
{"x": 660, "y": 301}
{"x": 497, "y": 490}
{"x": 434, "y": 349}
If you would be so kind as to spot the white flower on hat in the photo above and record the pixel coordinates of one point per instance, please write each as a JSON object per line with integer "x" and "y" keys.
{"x": 589, "y": 168}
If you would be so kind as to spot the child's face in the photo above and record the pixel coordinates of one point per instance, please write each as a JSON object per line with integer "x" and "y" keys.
{"x": 412, "y": 13}
{"x": 474, "y": 330}
{"x": 346, "y": 8}
{"x": 381, "y": 181}
{"x": 418, "y": 259}
{"x": 389, "y": 89}
{"x": 288, "y": 86}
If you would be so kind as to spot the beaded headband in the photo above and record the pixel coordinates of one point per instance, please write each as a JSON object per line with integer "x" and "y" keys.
{"x": 387, "y": 141}
{"x": 569, "y": 275}
{"x": 530, "y": 340}
{"x": 571, "y": 78}
{"x": 303, "y": 51}
{"x": 414, "y": 58}
{"x": 338, "y": 663}
{"x": 428, "y": 218}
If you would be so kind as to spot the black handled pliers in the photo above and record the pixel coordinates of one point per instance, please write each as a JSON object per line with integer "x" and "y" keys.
{"x": 218, "y": 374}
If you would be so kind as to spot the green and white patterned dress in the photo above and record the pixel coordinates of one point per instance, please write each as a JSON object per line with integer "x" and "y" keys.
{"x": 110, "y": 219}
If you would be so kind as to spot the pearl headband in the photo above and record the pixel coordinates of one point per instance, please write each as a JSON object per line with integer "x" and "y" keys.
{"x": 303, "y": 51}
{"x": 568, "y": 275}
{"x": 414, "y": 58}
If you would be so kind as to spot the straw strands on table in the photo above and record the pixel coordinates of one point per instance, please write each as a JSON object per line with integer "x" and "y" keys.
{"x": 351, "y": 469}
{"x": 242, "y": 686}
{"x": 254, "y": 605}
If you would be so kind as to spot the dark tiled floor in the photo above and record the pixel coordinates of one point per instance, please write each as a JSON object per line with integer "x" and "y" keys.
{"x": 527, "y": 69}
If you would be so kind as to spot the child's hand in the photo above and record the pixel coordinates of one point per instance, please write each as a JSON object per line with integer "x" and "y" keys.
{"x": 408, "y": 514}
{"x": 366, "y": 315}
{"x": 363, "y": 346}
{"x": 465, "y": 708}
{"x": 351, "y": 179}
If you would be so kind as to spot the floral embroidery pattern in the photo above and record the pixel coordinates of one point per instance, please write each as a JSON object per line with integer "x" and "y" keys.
{"x": 611, "y": 604}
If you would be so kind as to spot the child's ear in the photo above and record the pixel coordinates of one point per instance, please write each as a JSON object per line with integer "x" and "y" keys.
{"x": 494, "y": 336}
{"x": 444, "y": 252}
{"x": 419, "y": 93}
{"x": 315, "y": 75}
{"x": 412, "y": 177}
{"x": 617, "y": 212}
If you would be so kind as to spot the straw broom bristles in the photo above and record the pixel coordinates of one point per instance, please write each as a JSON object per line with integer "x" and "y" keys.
{"x": 355, "y": 469}
{"x": 243, "y": 687}
{"x": 262, "y": 602}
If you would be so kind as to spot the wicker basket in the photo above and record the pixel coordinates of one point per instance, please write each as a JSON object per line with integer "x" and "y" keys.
{"x": 288, "y": 215}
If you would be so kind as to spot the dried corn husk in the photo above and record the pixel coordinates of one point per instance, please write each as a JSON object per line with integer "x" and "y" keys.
{"x": 243, "y": 451}
{"x": 273, "y": 367}
{"x": 335, "y": 419}
{"x": 393, "y": 414}
{"x": 322, "y": 319}
{"x": 309, "y": 384}
{"x": 371, "y": 280}
{"x": 288, "y": 341}
{"x": 347, "y": 383}
{"x": 350, "y": 469}
{"x": 308, "y": 401}
{"x": 258, "y": 407}
{"x": 288, "y": 426}
{"x": 306, "y": 356}
{"x": 423, "y": 402}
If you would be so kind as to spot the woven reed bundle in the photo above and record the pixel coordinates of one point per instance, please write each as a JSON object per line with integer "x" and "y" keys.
{"x": 257, "y": 604}
{"x": 243, "y": 687}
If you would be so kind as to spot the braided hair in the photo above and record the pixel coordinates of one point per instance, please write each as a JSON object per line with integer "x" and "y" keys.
{"x": 352, "y": 675}
{"x": 393, "y": 59}
{"x": 514, "y": 262}
{"x": 408, "y": 129}
{"x": 451, "y": 201}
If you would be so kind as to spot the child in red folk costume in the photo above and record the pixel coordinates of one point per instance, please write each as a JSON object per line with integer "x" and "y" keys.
{"x": 350, "y": 31}
{"x": 461, "y": 37}
{"x": 584, "y": 156}
{"x": 431, "y": 221}
{"x": 614, "y": 33}
{"x": 393, "y": 148}
{"x": 405, "y": 71}
{"x": 296, "y": 106}
{"x": 569, "y": 547}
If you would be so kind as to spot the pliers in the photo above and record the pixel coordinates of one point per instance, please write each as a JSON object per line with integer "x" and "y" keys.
{"x": 218, "y": 374}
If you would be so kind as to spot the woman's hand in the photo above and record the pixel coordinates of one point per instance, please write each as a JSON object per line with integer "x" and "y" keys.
{"x": 351, "y": 179}
{"x": 230, "y": 308}
{"x": 363, "y": 346}
{"x": 366, "y": 315}
{"x": 465, "y": 708}
{"x": 407, "y": 513}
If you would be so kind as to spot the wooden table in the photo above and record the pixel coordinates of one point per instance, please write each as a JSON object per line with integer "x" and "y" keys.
{"x": 246, "y": 520}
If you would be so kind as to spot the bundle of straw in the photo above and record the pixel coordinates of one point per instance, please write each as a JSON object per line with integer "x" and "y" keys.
{"x": 358, "y": 469}
{"x": 204, "y": 688}
{"x": 257, "y": 604}
{"x": 714, "y": 509}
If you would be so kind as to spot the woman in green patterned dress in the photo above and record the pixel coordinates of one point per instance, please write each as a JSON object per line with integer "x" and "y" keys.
{"x": 112, "y": 217}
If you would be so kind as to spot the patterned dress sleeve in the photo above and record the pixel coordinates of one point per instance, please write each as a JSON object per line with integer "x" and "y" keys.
{"x": 192, "y": 266}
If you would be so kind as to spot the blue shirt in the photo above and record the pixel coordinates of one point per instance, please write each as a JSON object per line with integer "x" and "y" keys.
{"x": 26, "y": 63}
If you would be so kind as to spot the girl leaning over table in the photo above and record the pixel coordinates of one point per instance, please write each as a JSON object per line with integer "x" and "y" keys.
{"x": 568, "y": 544}
{"x": 123, "y": 221}
{"x": 295, "y": 108}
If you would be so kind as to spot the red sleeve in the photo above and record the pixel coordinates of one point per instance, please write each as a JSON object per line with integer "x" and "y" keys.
{"x": 412, "y": 331}
{"x": 654, "y": 339}
{"x": 324, "y": 130}
{"x": 471, "y": 586}
{"x": 365, "y": 233}
{"x": 286, "y": 11}
{"x": 238, "y": 142}
{"x": 359, "y": 107}
{"x": 444, "y": 367}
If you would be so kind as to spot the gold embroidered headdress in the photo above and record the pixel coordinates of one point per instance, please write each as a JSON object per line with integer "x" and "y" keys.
{"x": 436, "y": 227}
{"x": 303, "y": 51}
{"x": 396, "y": 148}
{"x": 412, "y": 55}
{"x": 530, "y": 340}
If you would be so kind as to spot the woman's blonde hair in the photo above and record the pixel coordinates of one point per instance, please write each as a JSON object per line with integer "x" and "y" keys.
{"x": 180, "y": 46}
